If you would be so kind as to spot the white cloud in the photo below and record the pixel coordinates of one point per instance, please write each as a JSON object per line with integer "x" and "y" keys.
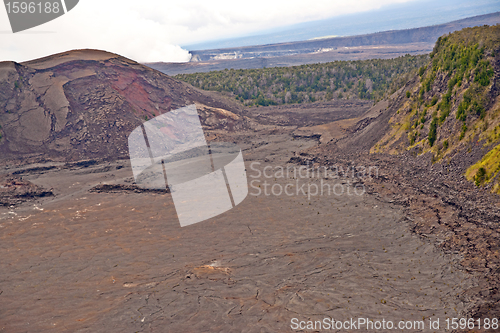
{"x": 152, "y": 30}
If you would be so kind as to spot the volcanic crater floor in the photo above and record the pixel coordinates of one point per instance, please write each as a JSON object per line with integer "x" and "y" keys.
{"x": 118, "y": 260}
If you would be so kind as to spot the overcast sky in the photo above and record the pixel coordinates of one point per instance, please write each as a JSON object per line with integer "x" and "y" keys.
{"x": 152, "y": 30}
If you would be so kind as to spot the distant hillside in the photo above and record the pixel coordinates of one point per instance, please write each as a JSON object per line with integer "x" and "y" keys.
{"x": 451, "y": 109}
{"x": 83, "y": 104}
{"x": 381, "y": 45}
{"x": 340, "y": 54}
{"x": 365, "y": 79}
{"x": 417, "y": 35}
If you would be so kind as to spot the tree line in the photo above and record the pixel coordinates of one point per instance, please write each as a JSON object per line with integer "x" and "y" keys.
{"x": 364, "y": 79}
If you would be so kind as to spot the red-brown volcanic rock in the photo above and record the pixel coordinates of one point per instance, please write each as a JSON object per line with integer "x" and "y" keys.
{"x": 83, "y": 104}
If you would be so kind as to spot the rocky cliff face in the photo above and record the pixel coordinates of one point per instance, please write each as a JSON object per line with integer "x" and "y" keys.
{"x": 83, "y": 104}
{"x": 451, "y": 108}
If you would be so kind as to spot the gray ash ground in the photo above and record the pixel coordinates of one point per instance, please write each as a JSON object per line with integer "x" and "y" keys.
{"x": 440, "y": 204}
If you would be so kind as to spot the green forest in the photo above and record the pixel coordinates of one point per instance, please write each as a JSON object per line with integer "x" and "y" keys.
{"x": 364, "y": 79}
